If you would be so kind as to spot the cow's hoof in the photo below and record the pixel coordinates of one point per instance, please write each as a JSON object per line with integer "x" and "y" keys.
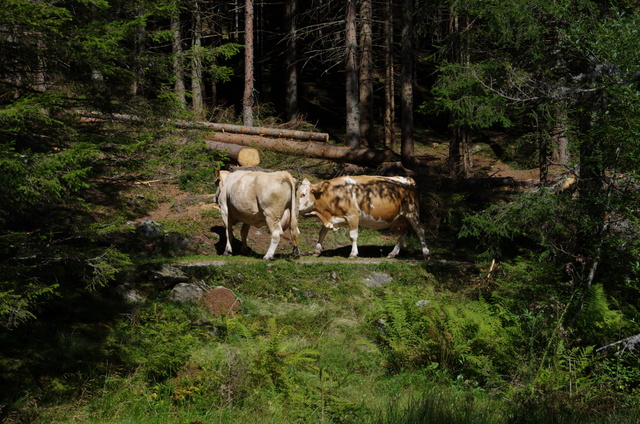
{"x": 227, "y": 253}
{"x": 296, "y": 253}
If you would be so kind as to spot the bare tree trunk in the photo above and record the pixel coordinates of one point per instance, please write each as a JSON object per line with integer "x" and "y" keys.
{"x": 389, "y": 96}
{"x": 560, "y": 154}
{"x": 407, "y": 141}
{"x": 290, "y": 61}
{"x": 178, "y": 70}
{"x": 40, "y": 77}
{"x": 138, "y": 49}
{"x": 247, "y": 101}
{"x": 353, "y": 108}
{"x": 197, "y": 102}
{"x": 460, "y": 145}
{"x": 367, "y": 132}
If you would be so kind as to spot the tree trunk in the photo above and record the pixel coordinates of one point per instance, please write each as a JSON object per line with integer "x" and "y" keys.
{"x": 178, "y": 70}
{"x": 138, "y": 49}
{"x": 353, "y": 109}
{"x": 407, "y": 141}
{"x": 367, "y": 132}
{"x": 389, "y": 96}
{"x": 242, "y": 155}
{"x": 197, "y": 102}
{"x": 247, "y": 101}
{"x": 460, "y": 147}
{"x": 560, "y": 154}
{"x": 365, "y": 157}
{"x": 290, "y": 61}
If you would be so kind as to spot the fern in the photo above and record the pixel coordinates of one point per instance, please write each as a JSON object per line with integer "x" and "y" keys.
{"x": 466, "y": 339}
{"x": 280, "y": 367}
{"x": 598, "y": 322}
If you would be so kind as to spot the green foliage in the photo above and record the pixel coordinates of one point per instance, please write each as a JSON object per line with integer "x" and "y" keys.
{"x": 526, "y": 216}
{"x": 17, "y": 301}
{"x": 158, "y": 338}
{"x": 458, "y": 91}
{"x": 106, "y": 266}
{"x": 600, "y": 324}
{"x": 195, "y": 163}
{"x": 461, "y": 338}
{"x": 277, "y": 366}
{"x": 40, "y": 179}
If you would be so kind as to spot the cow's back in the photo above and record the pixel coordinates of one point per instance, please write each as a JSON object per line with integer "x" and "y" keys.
{"x": 250, "y": 195}
{"x": 379, "y": 201}
{"x": 384, "y": 199}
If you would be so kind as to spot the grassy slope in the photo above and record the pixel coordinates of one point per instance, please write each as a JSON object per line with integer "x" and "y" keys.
{"x": 307, "y": 345}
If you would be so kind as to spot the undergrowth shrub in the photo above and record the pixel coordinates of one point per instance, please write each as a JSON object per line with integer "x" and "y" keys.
{"x": 194, "y": 162}
{"x": 463, "y": 338}
{"x": 157, "y": 339}
{"x": 598, "y": 323}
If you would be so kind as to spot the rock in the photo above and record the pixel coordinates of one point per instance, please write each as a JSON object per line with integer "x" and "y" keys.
{"x": 377, "y": 279}
{"x": 149, "y": 229}
{"x": 221, "y": 301}
{"x": 170, "y": 275}
{"x": 129, "y": 294}
{"x": 186, "y": 292}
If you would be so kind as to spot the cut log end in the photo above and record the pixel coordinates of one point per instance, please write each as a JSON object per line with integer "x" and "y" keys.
{"x": 242, "y": 155}
{"x": 248, "y": 157}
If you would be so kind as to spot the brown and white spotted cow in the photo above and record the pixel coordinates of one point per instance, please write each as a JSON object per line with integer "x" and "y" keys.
{"x": 258, "y": 199}
{"x": 369, "y": 201}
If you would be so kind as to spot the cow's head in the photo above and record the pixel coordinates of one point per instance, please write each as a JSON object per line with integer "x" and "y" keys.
{"x": 306, "y": 201}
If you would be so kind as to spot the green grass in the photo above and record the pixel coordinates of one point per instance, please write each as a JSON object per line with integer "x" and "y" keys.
{"x": 306, "y": 346}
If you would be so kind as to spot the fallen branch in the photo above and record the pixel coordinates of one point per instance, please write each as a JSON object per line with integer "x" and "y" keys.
{"x": 628, "y": 344}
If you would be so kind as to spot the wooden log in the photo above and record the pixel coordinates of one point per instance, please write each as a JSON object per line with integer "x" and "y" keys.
{"x": 242, "y": 155}
{"x": 367, "y": 157}
{"x": 267, "y": 132}
{"x": 225, "y": 128}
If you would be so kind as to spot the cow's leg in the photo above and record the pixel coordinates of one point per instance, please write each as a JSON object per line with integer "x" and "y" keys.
{"x": 417, "y": 227}
{"x": 229, "y": 228}
{"x": 244, "y": 232}
{"x": 353, "y": 236}
{"x": 323, "y": 233}
{"x": 399, "y": 243}
{"x": 276, "y": 232}
{"x": 285, "y": 222}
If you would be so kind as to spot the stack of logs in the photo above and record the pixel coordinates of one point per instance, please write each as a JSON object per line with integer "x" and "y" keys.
{"x": 241, "y": 141}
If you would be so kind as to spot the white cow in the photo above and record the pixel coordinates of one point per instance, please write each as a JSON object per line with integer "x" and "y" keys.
{"x": 258, "y": 199}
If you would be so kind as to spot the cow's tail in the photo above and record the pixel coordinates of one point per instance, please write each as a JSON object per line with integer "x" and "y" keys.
{"x": 294, "y": 207}
{"x": 293, "y": 225}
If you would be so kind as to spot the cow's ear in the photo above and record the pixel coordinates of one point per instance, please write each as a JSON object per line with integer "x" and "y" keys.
{"x": 318, "y": 189}
{"x": 222, "y": 175}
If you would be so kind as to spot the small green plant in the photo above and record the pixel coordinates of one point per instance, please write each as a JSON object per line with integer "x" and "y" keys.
{"x": 158, "y": 339}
